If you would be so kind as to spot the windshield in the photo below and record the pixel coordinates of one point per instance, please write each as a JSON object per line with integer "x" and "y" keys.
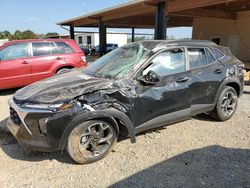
{"x": 117, "y": 63}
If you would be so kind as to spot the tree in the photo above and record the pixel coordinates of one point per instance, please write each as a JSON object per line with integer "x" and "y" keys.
{"x": 28, "y": 34}
{"x": 18, "y": 35}
{"x": 51, "y": 34}
{"x": 7, "y": 34}
{"x": 2, "y": 35}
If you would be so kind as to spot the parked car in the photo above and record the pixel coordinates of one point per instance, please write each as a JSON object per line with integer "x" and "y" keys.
{"x": 84, "y": 49}
{"x": 137, "y": 87}
{"x": 26, "y": 61}
{"x": 110, "y": 47}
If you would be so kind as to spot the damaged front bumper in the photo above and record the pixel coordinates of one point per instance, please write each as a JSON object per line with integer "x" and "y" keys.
{"x": 23, "y": 124}
{"x": 48, "y": 130}
{"x": 41, "y": 129}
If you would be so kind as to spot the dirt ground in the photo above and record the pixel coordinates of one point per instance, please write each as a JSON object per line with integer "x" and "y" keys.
{"x": 199, "y": 152}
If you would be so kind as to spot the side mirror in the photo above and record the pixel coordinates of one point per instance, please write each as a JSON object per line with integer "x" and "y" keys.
{"x": 150, "y": 78}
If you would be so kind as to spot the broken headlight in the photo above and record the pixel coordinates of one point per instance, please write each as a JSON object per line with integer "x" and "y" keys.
{"x": 52, "y": 107}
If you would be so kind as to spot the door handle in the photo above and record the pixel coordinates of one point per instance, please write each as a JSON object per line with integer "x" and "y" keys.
{"x": 25, "y": 62}
{"x": 184, "y": 79}
{"x": 218, "y": 71}
{"x": 58, "y": 58}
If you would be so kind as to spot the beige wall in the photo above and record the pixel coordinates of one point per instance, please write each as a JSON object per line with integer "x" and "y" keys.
{"x": 233, "y": 33}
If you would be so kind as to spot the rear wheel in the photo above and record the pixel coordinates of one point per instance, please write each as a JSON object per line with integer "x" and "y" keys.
{"x": 226, "y": 105}
{"x": 91, "y": 141}
{"x": 63, "y": 70}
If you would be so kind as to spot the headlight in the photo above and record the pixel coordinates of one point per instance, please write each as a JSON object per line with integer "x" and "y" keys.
{"x": 57, "y": 107}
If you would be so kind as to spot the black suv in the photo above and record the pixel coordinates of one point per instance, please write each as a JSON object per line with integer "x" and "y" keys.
{"x": 134, "y": 88}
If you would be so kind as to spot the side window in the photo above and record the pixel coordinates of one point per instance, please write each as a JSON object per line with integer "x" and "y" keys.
{"x": 210, "y": 57}
{"x": 64, "y": 47}
{"x": 14, "y": 51}
{"x": 218, "y": 54}
{"x": 41, "y": 48}
{"x": 197, "y": 57}
{"x": 168, "y": 62}
{"x": 53, "y": 48}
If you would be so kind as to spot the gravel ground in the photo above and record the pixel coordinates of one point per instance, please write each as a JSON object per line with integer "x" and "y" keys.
{"x": 199, "y": 152}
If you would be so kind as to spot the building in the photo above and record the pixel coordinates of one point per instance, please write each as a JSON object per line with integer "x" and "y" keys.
{"x": 226, "y": 22}
{"x": 234, "y": 33}
{"x": 92, "y": 38}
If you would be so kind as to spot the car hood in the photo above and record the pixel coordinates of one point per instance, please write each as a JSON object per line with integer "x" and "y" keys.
{"x": 61, "y": 88}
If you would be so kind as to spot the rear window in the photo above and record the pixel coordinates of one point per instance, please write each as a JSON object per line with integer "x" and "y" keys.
{"x": 44, "y": 48}
{"x": 41, "y": 48}
{"x": 64, "y": 47}
{"x": 53, "y": 48}
{"x": 217, "y": 53}
{"x": 210, "y": 57}
{"x": 197, "y": 57}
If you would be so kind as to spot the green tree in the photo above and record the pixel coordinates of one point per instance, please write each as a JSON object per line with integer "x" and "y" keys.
{"x": 2, "y": 35}
{"x": 28, "y": 34}
{"x": 50, "y": 34}
{"x": 7, "y": 35}
{"x": 18, "y": 35}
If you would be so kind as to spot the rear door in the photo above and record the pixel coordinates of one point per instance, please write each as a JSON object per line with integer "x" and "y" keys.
{"x": 45, "y": 55}
{"x": 206, "y": 75}
{"x": 15, "y": 67}
{"x": 71, "y": 57}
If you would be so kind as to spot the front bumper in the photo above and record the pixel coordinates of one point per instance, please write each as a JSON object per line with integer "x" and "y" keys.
{"x": 26, "y": 140}
{"x": 28, "y": 134}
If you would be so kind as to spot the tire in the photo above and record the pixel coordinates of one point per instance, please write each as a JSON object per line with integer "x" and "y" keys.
{"x": 63, "y": 70}
{"x": 226, "y": 104}
{"x": 91, "y": 141}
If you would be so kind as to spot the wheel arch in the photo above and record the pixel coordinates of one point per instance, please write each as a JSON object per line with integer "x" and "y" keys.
{"x": 109, "y": 115}
{"x": 64, "y": 67}
{"x": 232, "y": 82}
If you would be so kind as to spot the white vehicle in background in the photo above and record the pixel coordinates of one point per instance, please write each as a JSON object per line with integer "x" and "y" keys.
{"x": 3, "y": 41}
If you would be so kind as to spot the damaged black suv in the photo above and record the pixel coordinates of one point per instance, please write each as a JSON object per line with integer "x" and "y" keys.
{"x": 134, "y": 88}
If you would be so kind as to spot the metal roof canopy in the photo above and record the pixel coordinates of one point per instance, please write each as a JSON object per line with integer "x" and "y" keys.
{"x": 158, "y": 14}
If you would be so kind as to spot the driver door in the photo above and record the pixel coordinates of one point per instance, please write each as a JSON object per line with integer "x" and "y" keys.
{"x": 168, "y": 100}
{"x": 15, "y": 67}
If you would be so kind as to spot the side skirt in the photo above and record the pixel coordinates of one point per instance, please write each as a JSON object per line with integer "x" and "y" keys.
{"x": 164, "y": 120}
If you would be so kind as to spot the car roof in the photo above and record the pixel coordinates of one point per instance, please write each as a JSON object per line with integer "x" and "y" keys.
{"x": 152, "y": 44}
{"x": 38, "y": 40}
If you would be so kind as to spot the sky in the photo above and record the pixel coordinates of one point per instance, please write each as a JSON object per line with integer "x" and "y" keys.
{"x": 41, "y": 16}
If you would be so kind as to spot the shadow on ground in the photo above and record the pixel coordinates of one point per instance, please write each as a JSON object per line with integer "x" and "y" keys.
{"x": 10, "y": 146}
{"x": 213, "y": 166}
{"x": 204, "y": 117}
{"x": 8, "y": 92}
{"x": 5, "y": 136}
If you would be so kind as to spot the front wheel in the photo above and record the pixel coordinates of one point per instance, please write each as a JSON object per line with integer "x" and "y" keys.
{"x": 226, "y": 104}
{"x": 91, "y": 141}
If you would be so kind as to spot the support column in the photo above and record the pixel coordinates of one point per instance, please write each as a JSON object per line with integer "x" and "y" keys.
{"x": 72, "y": 32}
{"x": 102, "y": 38}
{"x": 133, "y": 34}
{"x": 161, "y": 21}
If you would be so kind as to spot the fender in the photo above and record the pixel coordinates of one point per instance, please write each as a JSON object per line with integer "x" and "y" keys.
{"x": 109, "y": 114}
{"x": 226, "y": 81}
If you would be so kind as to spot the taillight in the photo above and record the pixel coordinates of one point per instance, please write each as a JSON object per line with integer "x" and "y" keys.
{"x": 84, "y": 59}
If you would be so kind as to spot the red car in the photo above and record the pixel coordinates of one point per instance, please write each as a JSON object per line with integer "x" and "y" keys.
{"x": 26, "y": 61}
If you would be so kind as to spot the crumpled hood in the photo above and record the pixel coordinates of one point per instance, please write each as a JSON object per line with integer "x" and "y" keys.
{"x": 61, "y": 88}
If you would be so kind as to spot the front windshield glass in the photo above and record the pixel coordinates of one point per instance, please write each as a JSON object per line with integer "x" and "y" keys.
{"x": 117, "y": 63}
